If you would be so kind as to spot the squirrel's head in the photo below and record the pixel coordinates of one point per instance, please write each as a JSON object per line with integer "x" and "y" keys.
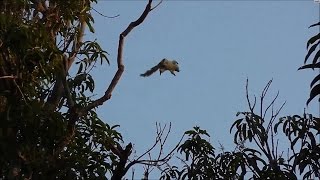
{"x": 177, "y": 67}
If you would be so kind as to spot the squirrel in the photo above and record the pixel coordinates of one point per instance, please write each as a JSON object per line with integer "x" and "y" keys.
{"x": 164, "y": 65}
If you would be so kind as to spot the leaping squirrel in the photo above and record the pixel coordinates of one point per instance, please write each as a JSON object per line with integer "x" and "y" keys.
{"x": 164, "y": 65}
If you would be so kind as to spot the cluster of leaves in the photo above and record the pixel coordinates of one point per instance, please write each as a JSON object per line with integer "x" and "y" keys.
{"x": 314, "y": 42}
{"x": 257, "y": 154}
{"x": 199, "y": 157}
{"x": 200, "y": 161}
{"x": 301, "y": 131}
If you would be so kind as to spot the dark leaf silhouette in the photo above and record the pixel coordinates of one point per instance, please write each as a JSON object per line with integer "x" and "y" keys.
{"x": 316, "y": 57}
{"x": 314, "y": 92}
{"x": 315, "y": 80}
{"x": 313, "y": 47}
{"x": 316, "y": 24}
{"x": 308, "y": 66}
{"x": 313, "y": 39}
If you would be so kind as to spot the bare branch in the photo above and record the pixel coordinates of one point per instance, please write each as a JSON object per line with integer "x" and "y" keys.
{"x": 21, "y": 93}
{"x": 57, "y": 91}
{"x": 158, "y": 139}
{"x": 263, "y": 95}
{"x": 105, "y": 15}
{"x": 117, "y": 76}
{"x": 247, "y": 96}
{"x": 278, "y": 111}
{"x": 271, "y": 104}
{"x": 158, "y": 161}
{"x": 77, "y": 43}
{"x": 8, "y": 77}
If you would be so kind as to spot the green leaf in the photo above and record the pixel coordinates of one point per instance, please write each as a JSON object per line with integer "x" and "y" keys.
{"x": 90, "y": 27}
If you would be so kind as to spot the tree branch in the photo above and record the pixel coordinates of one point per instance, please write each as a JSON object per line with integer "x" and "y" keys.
{"x": 117, "y": 76}
{"x": 55, "y": 96}
{"x": 159, "y": 161}
{"x": 8, "y": 77}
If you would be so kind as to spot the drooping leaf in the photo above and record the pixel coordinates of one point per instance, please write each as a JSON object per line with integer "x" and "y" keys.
{"x": 313, "y": 39}
{"x": 312, "y": 48}
{"x": 314, "y": 92}
{"x": 275, "y": 129}
{"x": 310, "y": 66}
{"x": 316, "y": 24}
{"x": 316, "y": 57}
{"x": 312, "y": 139}
{"x": 80, "y": 68}
{"x": 237, "y": 122}
{"x": 90, "y": 26}
{"x": 315, "y": 80}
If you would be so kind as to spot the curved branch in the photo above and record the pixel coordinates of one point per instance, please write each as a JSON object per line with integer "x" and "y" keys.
{"x": 158, "y": 139}
{"x": 105, "y": 15}
{"x": 75, "y": 113}
{"x": 117, "y": 76}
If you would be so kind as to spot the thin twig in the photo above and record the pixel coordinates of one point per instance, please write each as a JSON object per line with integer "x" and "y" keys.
{"x": 157, "y": 162}
{"x": 247, "y": 95}
{"x": 8, "y": 77}
{"x": 105, "y": 15}
{"x": 156, "y": 5}
{"x": 272, "y": 102}
{"x": 23, "y": 97}
{"x": 158, "y": 138}
{"x": 263, "y": 94}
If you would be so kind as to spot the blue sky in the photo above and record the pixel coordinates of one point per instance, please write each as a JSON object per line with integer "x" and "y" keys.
{"x": 218, "y": 44}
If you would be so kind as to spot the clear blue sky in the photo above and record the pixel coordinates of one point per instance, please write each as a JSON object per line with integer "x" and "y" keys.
{"x": 218, "y": 44}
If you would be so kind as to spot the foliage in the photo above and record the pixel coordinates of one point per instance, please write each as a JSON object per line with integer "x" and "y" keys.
{"x": 49, "y": 127}
{"x": 257, "y": 154}
{"x": 200, "y": 161}
{"x": 314, "y": 41}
